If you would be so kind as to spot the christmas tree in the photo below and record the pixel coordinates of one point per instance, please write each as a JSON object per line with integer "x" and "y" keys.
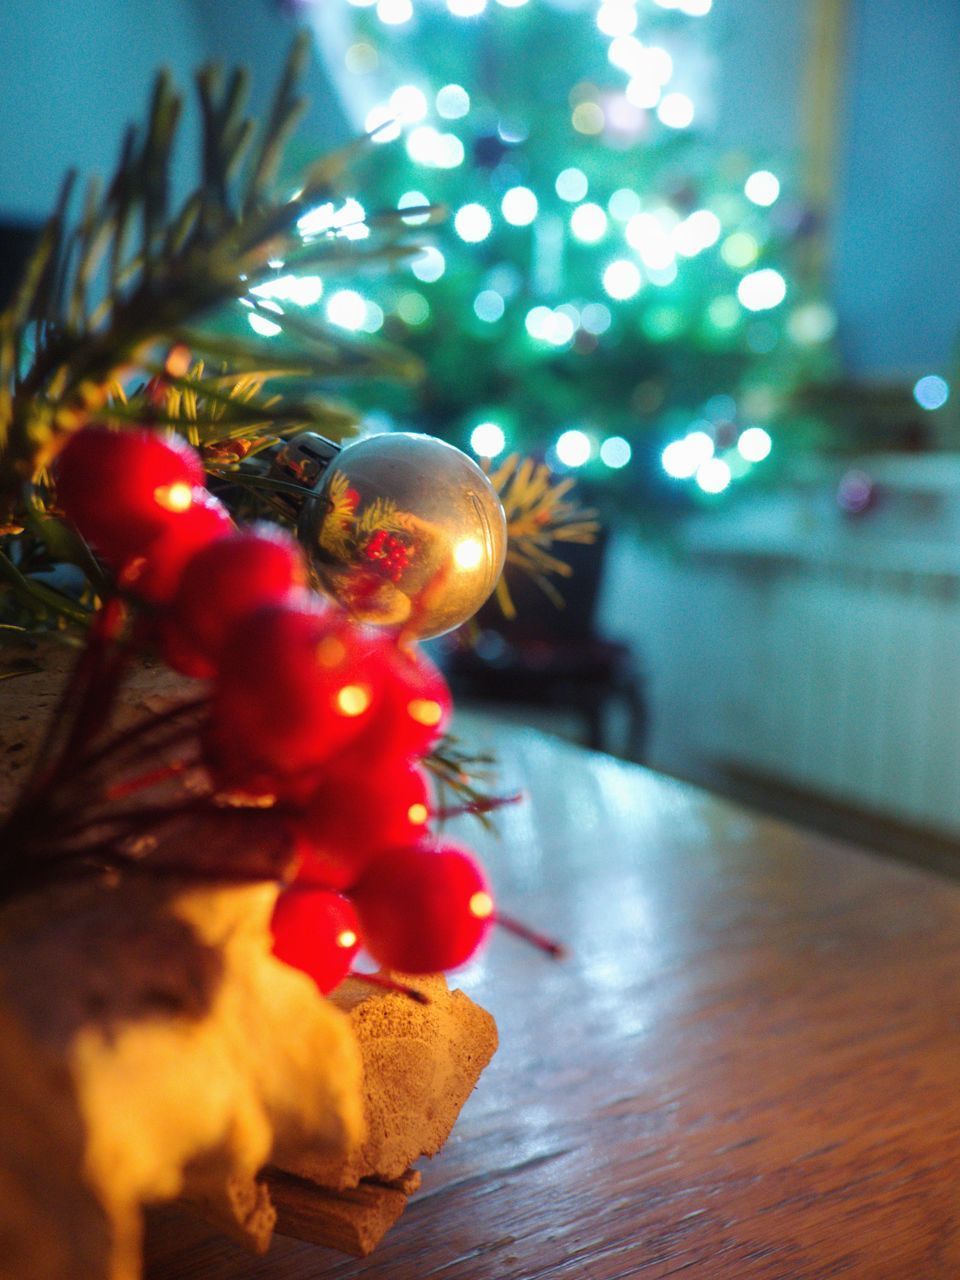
{"x": 607, "y": 292}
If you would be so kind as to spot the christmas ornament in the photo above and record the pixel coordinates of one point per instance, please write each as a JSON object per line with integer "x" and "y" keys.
{"x": 423, "y": 909}
{"x": 403, "y": 530}
{"x": 122, "y": 489}
{"x": 317, "y": 932}
{"x": 230, "y": 577}
{"x": 153, "y": 573}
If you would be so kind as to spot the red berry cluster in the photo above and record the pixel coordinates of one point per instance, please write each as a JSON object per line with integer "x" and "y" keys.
{"x": 325, "y": 719}
{"x": 388, "y": 553}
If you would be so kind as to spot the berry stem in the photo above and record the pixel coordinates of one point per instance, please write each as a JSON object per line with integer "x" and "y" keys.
{"x": 390, "y": 984}
{"x": 555, "y": 950}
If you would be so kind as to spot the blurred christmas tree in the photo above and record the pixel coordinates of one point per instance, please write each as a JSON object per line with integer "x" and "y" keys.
{"x": 609, "y": 291}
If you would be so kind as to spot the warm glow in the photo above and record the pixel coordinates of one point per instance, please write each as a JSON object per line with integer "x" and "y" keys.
{"x": 481, "y": 905}
{"x": 417, "y": 814}
{"x": 346, "y": 938}
{"x": 425, "y": 711}
{"x": 468, "y": 553}
{"x": 174, "y": 497}
{"x": 330, "y": 652}
{"x": 353, "y": 700}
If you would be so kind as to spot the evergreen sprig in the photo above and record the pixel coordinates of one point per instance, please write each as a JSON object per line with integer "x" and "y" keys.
{"x": 103, "y": 296}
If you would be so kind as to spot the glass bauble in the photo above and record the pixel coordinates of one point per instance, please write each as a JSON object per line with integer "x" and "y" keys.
{"x": 405, "y": 530}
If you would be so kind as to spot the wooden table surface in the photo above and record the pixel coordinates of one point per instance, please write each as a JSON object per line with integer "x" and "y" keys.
{"x": 750, "y": 1066}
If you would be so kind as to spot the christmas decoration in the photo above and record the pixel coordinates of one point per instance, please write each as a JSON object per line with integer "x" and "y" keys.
{"x": 222, "y": 816}
{"x": 607, "y": 284}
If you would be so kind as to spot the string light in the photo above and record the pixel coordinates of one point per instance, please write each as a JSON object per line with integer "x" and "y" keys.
{"x": 714, "y": 475}
{"x": 489, "y": 306}
{"x": 615, "y": 18}
{"x": 519, "y": 206}
{"x": 762, "y": 290}
{"x": 473, "y": 223}
{"x": 615, "y": 452}
{"x": 588, "y": 223}
{"x": 429, "y": 264}
{"x": 414, "y": 200}
{"x": 762, "y": 187}
{"x": 573, "y": 448}
{"x": 588, "y": 118}
{"x": 304, "y": 291}
{"x": 453, "y": 102}
{"x": 413, "y": 308}
{"x": 347, "y": 309}
{"x": 739, "y": 250}
{"x": 466, "y": 8}
{"x": 754, "y": 444}
{"x": 487, "y": 440}
{"x": 623, "y": 204}
{"x": 408, "y": 103}
{"x": 622, "y": 279}
{"x": 572, "y": 185}
{"x": 682, "y": 458}
{"x": 931, "y": 392}
{"x": 675, "y": 110}
{"x": 595, "y": 318}
{"x": 394, "y": 13}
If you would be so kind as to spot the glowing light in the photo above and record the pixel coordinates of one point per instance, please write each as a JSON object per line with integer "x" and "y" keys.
{"x": 413, "y": 308}
{"x": 361, "y": 58}
{"x": 762, "y": 187}
{"x": 481, "y": 905}
{"x": 425, "y": 711}
{"x": 373, "y": 317}
{"x": 519, "y": 206}
{"x": 681, "y": 458}
{"x": 625, "y": 52}
{"x": 623, "y": 204}
{"x": 724, "y": 312}
{"x": 363, "y": 4}
{"x": 714, "y": 475}
{"x": 408, "y": 103}
{"x": 453, "y": 102}
{"x": 466, "y": 8}
{"x": 555, "y": 326}
{"x": 260, "y": 324}
{"x": 487, "y": 440}
{"x": 697, "y": 232}
{"x": 427, "y": 146}
{"x": 428, "y": 265}
{"x": 347, "y": 309}
{"x": 812, "y": 322}
{"x": 931, "y": 392}
{"x": 574, "y": 448}
{"x": 739, "y": 250}
{"x": 675, "y": 110}
{"x": 615, "y": 452}
{"x": 762, "y": 290}
{"x": 754, "y": 444}
{"x": 512, "y": 4}
{"x": 588, "y": 118}
{"x": 414, "y": 200}
{"x": 468, "y": 554}
{"x": 622, "y": 279}
{"x": 302, "y": 290}
{"x": 473, "y": 223}
{"x": 174, "y": 497}
{"x": 655, "y": 64}
{"x": 489, "y": 306}
{"x": 615, "y": 18}
{"x": 588, "y": 222}
{"x": 595, "y": 318}
{"x": 346, "y": 938}
{"x": 571, "y": 185}
{"x": 646, "y": 233}
{"x": 643, "y": 92}
{"x": 418, "y": 814}
{"x": 394, "y": 12}
{"x": 352, "y": 700}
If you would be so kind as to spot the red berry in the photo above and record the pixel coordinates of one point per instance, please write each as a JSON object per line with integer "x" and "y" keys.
{"x": 229, "y": 578}
{"x": 297, "y": 681}
{"x": 415, "y": 709}
{"x": 423, "y": 910}
{"x": 316, "y": 932}
{"x": 353, "y": 816}
{"x": 154, "y": 574}
{"x": 123, "y": 488}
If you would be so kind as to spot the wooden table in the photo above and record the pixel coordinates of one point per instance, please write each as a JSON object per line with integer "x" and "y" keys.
{"x": 750, "y": 1066}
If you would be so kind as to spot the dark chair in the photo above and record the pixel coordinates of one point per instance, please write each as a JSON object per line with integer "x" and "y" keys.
{"x": 551, "y": 657}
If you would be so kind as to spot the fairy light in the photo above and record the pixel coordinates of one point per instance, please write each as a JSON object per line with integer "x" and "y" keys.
{"x": 615, "y": 452}
{"x": 413, "y": 308}
{"x": 676, "y": 110}
{"x": 595, "y": 318}
{"x": 623, "y": 204}
{"x": 762, "y": 290}
{"x": 408, "y": 103}
{"x": 429, "y": 264}
{"x": 762, "y": 188}
{"x": 588, "y": 118}
{"x": 622, "y": 279}
{"x": 394, "y": 13}
{"x": 453, "y": 102}
{"x": 466, "y": 8}
{"x": 473, "y": 223}
{"x": 625, "y": 52}
{"x": 489, "y": 306}
{"x": 488, "y": 440}
{"x": 931, "y": 392}
{"x": 573, "y": 448}
{"x": 304, "y": 291}
{"x": 754, "y": 444}
{"x": 615, "y": 18}
{"x": 588, "y": 223}
{"x": 739, "y": 250}
{"x": 713, "y": 476}
{"x": 572, "y": 185}
{"x": 682, "y": 458}
{"x": 414, "y": 200}
{"x": 519, "y": 206}
{"x": 347, "y": 309}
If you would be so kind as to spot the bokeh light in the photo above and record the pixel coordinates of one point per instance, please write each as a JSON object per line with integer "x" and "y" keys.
{"x": 573, "y": 448}
{"x": 487, "y": 440}
{"x": 931, "y": 392}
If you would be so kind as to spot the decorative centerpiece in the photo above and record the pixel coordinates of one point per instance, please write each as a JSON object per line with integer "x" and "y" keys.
{"x": 226, "y": 762}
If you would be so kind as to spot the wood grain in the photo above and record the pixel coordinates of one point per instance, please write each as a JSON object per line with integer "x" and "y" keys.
{"x": 749, "y": 1068}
